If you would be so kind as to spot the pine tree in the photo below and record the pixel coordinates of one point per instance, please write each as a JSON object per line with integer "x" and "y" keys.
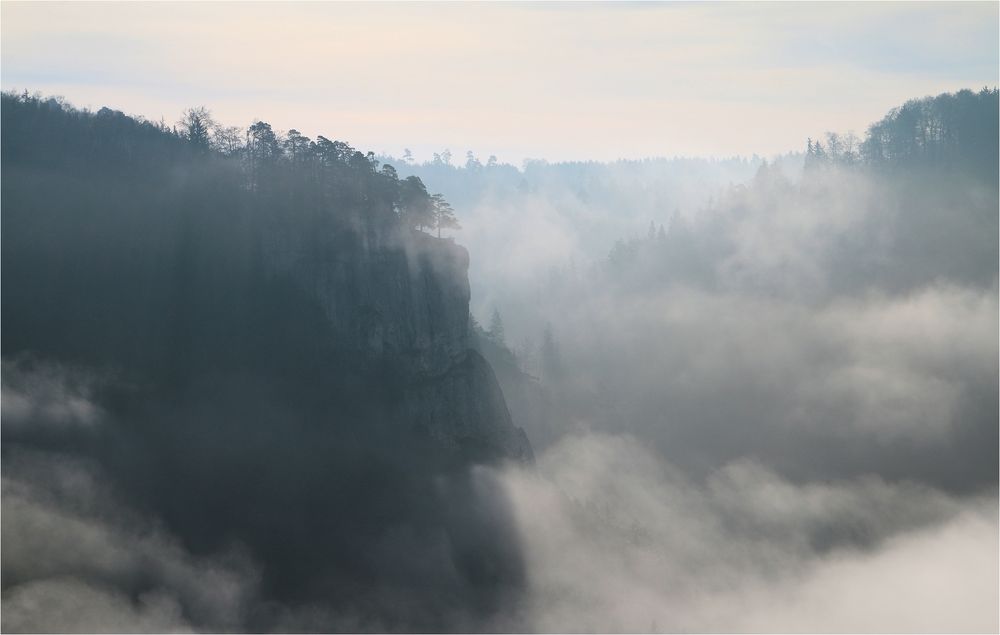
{"x": 416, "y": 205}
{"x": 196, "y": 125}
{"x": 444, "y": 215}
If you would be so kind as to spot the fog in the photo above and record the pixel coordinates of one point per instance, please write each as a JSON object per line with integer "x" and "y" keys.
{"x": 621, "y": 541}
{"x": 762, "y": 396}
{"x": 522, "y": 224}
{"x": 779, "y": 413}
{"x": 76, "y": 560}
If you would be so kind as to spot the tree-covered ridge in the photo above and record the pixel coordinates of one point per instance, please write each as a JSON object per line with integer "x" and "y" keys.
{"x": 947, "y": 231}
{"x": 950, "y": 131}
{"x": 148, "y": 238}
{"x": 315, "y": 174}
{"x": 275, "y": 335}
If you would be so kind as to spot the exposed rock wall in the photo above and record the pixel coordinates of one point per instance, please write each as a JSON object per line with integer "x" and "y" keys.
{"x": 403, "y": 297}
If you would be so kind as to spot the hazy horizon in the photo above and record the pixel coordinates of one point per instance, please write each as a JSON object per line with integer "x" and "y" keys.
{"x": 552, "y": 81}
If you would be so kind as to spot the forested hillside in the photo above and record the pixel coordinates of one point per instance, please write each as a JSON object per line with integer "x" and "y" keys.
{"x": 265, "y": 354}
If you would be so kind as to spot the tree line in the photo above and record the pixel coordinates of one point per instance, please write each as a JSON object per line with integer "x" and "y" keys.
{"x": 319, "y": 174}
{"x": 954, "y": 130}
{"x": 334, "y": 168}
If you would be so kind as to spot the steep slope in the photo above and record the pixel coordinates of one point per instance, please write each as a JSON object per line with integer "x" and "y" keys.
{"x": 403, "y": 297}
{"x": 273, "y": 361}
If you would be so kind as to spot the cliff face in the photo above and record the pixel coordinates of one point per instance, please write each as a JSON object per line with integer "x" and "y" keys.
{"x": 402, "y": 297}
{"x": 283, "y": 366}
{"x": 388, "y": 294}
{"x": 464, "y": 410}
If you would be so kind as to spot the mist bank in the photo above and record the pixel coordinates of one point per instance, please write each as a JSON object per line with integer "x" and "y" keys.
{"x": 521, "y": 222}
{"x": 802, "y": 330}
{"x": 830, "y": 325}
{"x": 778, "y": 412}
{"x": 620, "y": 540}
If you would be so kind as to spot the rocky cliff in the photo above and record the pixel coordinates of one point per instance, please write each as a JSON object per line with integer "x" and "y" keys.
{"x": 402, "y": 297}
{"x": 269, "y": 358}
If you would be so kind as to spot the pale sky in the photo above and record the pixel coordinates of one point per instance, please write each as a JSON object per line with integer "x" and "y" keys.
{"x": 554, "y": 81}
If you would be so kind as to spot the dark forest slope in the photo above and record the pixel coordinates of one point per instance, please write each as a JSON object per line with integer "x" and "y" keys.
{"x": 277, "y": 357}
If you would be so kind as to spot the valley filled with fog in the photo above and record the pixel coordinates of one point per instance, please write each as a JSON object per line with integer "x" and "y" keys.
{"x": 259, "y": 379}
{"x": 763, "y": 395}
{"x": 759, "y": 395}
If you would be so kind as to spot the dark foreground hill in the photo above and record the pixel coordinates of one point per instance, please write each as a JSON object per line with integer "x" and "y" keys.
{"x": 260, "y": 351}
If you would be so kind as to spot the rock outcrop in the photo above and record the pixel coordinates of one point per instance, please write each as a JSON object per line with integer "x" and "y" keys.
{"x": 402, "y": 297}
{"x": 285, "y": 368}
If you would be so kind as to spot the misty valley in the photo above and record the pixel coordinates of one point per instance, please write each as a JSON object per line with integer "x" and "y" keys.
{"x": 258, "y": 381}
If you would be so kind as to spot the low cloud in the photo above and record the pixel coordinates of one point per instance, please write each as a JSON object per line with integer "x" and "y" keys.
{"x": 617, "y": 540}
{"x": 902, "y": 386}
{"x": 75, "y": 560}
{"x": 48, "y": 395}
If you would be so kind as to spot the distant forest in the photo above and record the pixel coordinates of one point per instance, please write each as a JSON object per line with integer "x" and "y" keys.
{"x": 952, "y": 129}
{"x": 950, "y": 139}
{"x": 912, "y": 205}
{"x": 957, "y": 131}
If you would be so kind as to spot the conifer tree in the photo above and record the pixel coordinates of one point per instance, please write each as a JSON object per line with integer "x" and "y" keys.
{"x": 444, "y": 215}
